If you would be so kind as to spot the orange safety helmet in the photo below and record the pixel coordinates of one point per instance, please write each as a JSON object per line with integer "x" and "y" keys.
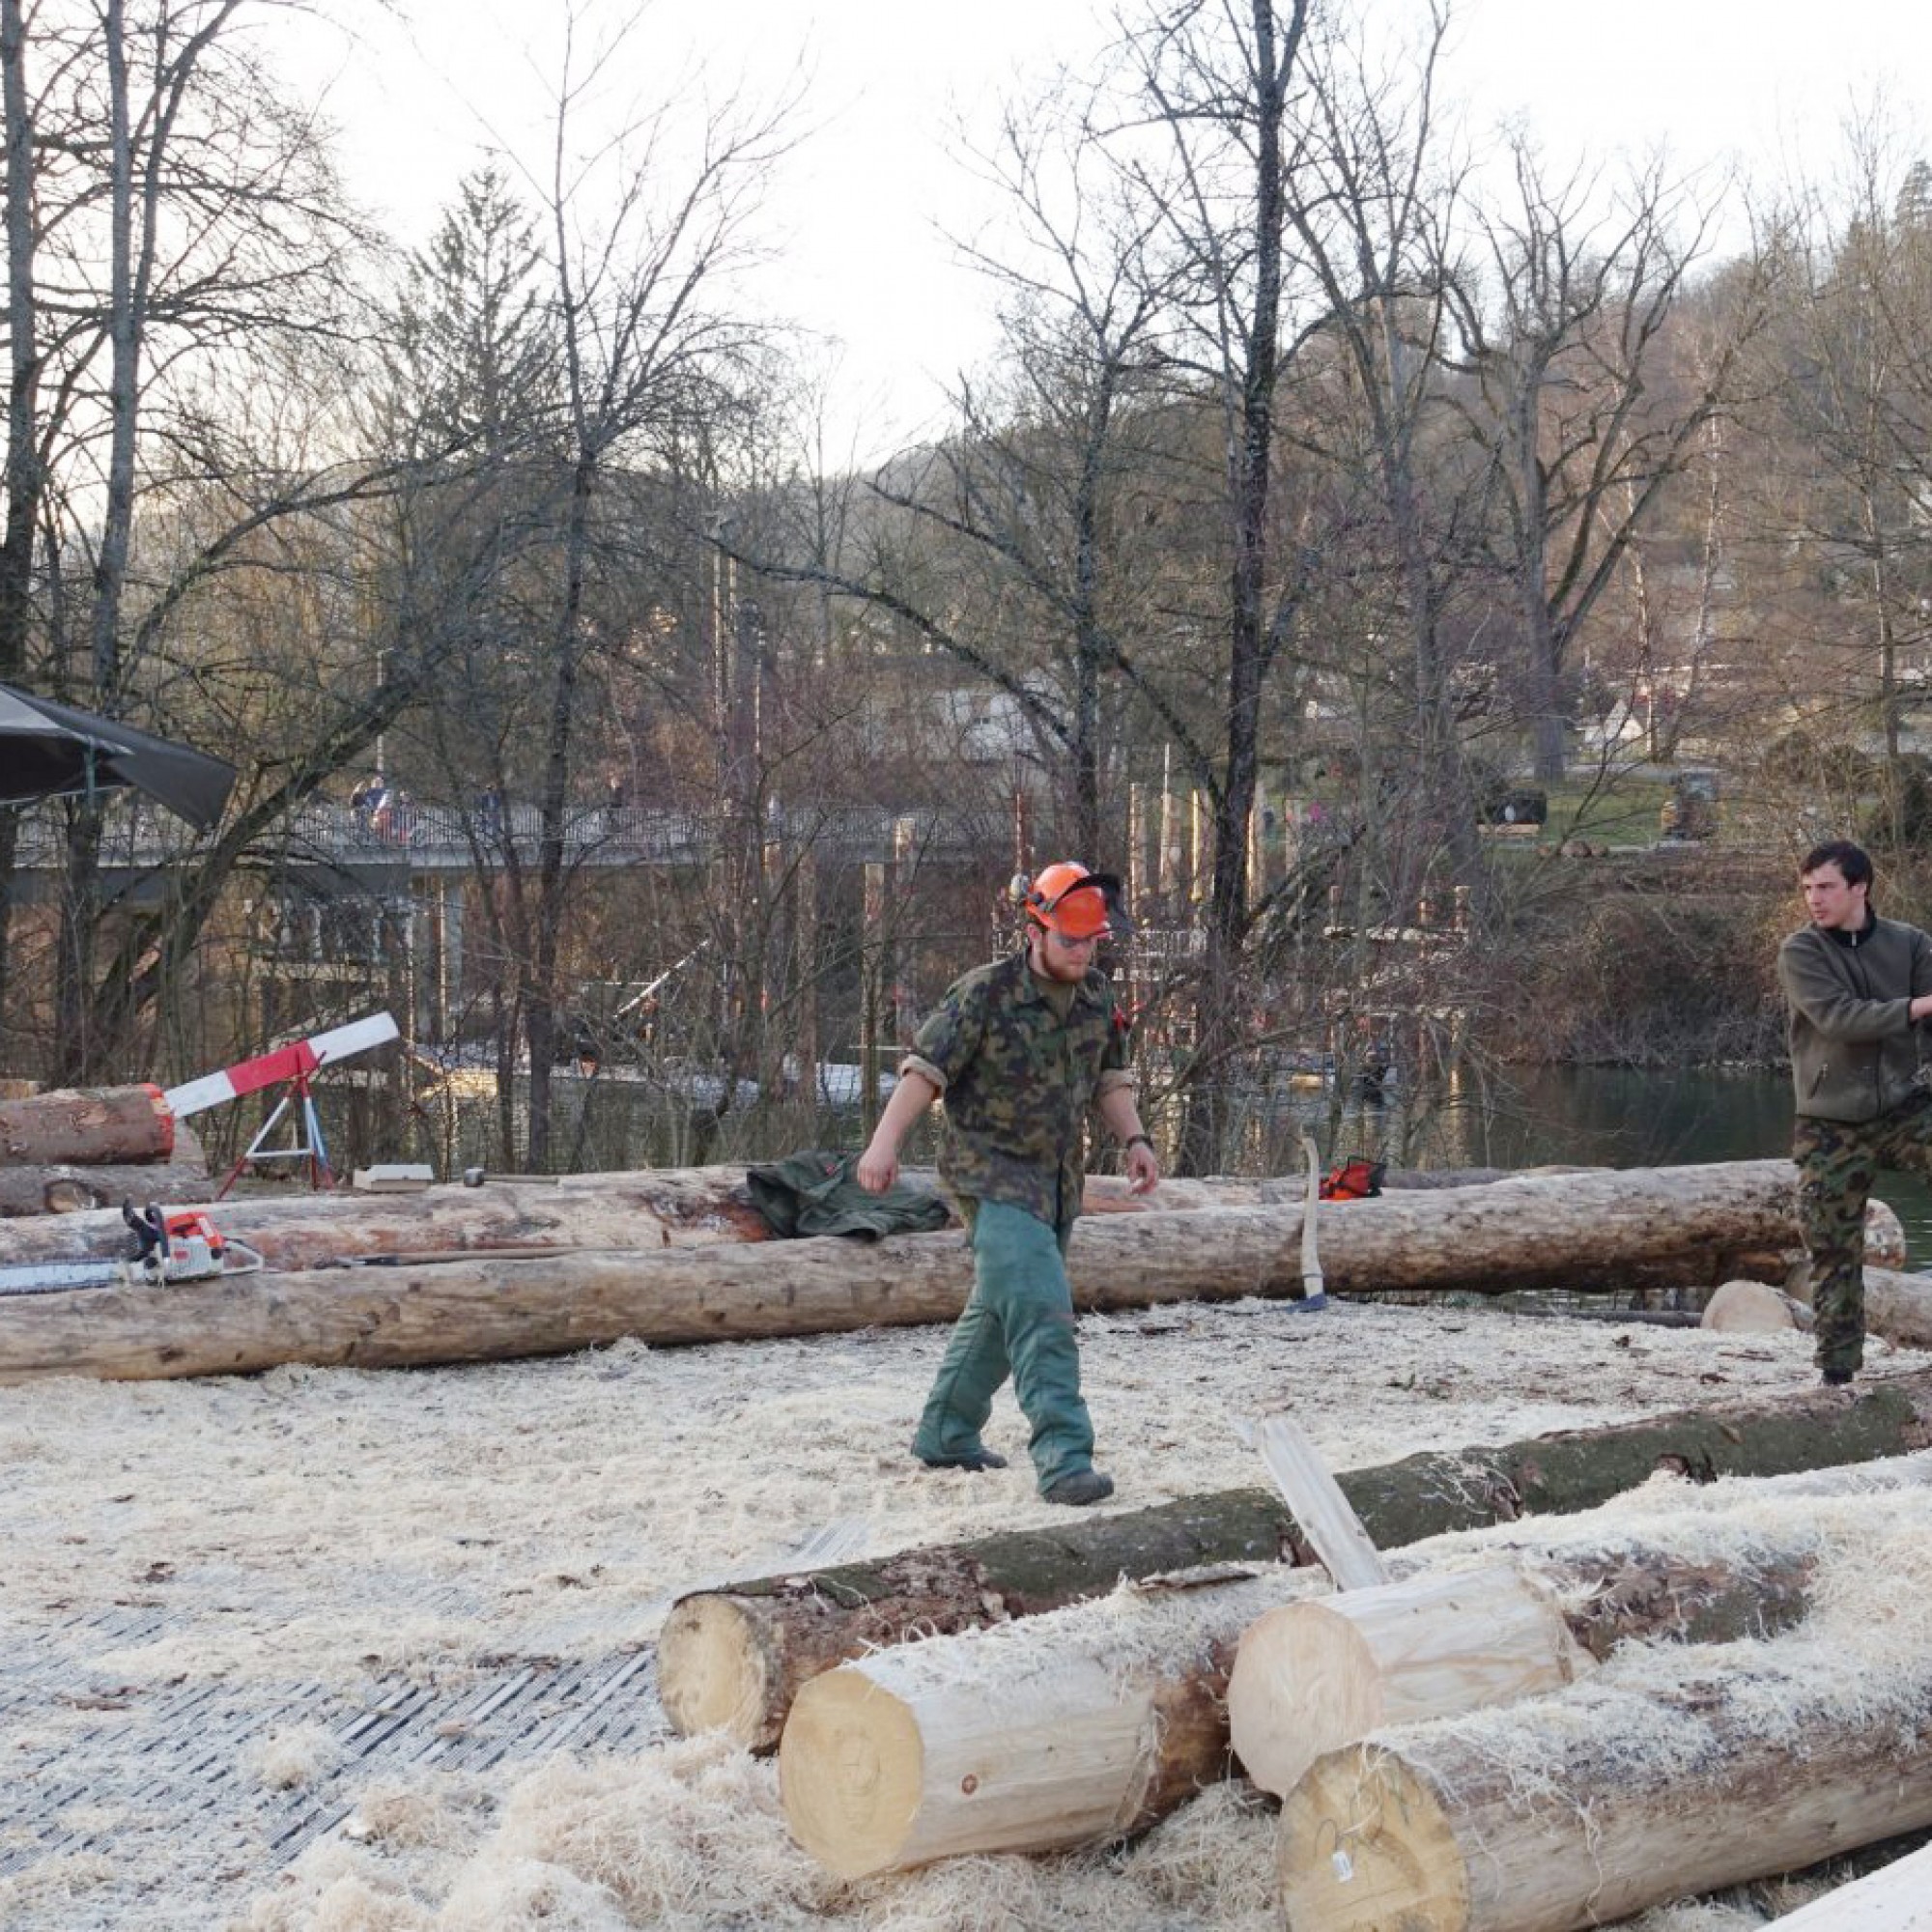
{"x": 1070, "y": 900}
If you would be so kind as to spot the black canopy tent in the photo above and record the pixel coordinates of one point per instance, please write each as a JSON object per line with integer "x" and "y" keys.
{"x": 52, "y": 750}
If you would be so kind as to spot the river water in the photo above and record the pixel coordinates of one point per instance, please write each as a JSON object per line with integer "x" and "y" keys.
{"x": 1625, "y": 1117}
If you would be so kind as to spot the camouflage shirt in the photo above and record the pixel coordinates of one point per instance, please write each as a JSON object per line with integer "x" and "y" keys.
{"x": 1017, "y": 1079}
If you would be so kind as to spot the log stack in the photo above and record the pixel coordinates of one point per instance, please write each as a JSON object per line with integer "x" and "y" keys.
{"x": 1091, "y": 1722}
{"x": 734, "y": 1657}
{"x": 80, "y": 1149}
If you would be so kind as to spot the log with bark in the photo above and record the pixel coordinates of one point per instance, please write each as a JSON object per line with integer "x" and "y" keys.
{"x": 1694, "y": 1772}
{"x": 87, "y": 1127}
{"x": 1095, "y": 1720}
{"x": 61, "y": 1189}
{"x": 736, "y": 1657}
{"x": 478, "y": 1309}
{"x": 664, "y": 1207}
{"x": 1309, "y": 1677}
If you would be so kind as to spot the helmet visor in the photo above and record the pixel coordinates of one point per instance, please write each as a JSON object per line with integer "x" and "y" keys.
{"x": 1089, "y": 908}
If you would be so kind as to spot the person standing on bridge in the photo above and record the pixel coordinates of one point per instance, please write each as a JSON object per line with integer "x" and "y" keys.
{"x": 1021, "y": 1050}
{"x": 1858, "y": 986}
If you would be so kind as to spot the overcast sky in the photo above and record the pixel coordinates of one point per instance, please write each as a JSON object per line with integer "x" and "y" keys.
{"x": 861, "y": 202}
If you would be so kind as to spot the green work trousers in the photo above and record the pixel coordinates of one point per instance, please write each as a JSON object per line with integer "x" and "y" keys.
{"x": 1020, "y": 1321}
{"x": 1837, "y": 1163}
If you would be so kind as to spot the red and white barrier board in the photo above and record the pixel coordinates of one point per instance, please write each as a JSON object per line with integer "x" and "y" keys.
{"x": 286, "y": 1062}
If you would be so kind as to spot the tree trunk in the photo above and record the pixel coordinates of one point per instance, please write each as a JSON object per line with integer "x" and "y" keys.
{"x": 1019, "y": 1739}
{"x": 1096, "y": 1720}
{"x": 1588, "y": 1807}
{"x": 89, "y": 1125}
{"x": 669, "y": 1207}
{"x": 736, "y": 1657}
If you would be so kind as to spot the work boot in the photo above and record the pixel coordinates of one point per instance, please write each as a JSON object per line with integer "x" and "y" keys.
{"x": 1081, "y": 1488}
{"x": 974, "y": 1459}
{"x": 1836, "y": 1377}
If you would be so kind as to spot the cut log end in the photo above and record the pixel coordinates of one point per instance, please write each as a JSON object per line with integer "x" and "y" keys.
{"x": 1303, "y": 1681}
{"x": 1310, "y": 1678}
{"x": 1364, "y": 1845}
{"x": 714, "y": 1673}
{"x": 1751, "y": 1308}
{"x": 851, "y": 1771}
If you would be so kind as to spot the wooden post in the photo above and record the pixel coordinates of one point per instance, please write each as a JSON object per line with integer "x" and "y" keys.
{"x": 873, "y": 968}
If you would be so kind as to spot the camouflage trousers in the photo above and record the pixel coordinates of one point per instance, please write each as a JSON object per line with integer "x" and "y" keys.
{"x": 1837, "y": 1163}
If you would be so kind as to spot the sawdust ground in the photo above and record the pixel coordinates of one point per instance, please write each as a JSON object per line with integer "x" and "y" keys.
{"x": 339, "y": 1528}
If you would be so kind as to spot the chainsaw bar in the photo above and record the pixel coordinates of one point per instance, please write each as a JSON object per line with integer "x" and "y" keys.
{"x": 51, "y": 1277}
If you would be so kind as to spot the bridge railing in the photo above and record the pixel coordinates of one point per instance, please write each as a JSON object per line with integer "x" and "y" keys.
{"x": 443, "y": 837}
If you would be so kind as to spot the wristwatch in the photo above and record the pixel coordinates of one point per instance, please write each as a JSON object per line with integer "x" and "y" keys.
{"x": 1139, "y": 1140}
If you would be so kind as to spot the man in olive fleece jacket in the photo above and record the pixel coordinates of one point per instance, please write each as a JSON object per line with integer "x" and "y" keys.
{"x": 1858, "y": 985}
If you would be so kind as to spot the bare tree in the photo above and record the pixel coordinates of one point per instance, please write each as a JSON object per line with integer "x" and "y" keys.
{"x": 646, "y": 222}
{"x": 1563, "y": 323}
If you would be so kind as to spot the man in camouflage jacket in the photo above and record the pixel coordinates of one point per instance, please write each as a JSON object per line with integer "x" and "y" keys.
{"x": 1021, "y": 1051}
{"x": 1858, "y": 985}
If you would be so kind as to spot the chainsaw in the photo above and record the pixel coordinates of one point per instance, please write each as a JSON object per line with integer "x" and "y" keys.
{"x": 168, "y": 1248}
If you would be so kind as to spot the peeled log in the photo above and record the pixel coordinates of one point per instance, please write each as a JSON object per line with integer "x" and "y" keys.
{"x": 1895, "y": 1899}
{"x": 1309, "y": 1677}
{"x": 1898, "y": 1308}
{"x": 480, "y": 1310}
{"x": 1066, "y": 1730}
{"x": 666, "y": 1207}
{"x": 735, "y": 1658}
{"x": 87, "y": 1127}
{"x": 1753, "y": 1308}
{"x": 661, "y": 1208}
{"x": 1582, "y": 1808}
{"x": 1095, "y": 1720}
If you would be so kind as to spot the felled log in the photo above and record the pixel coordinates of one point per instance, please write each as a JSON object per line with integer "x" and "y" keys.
{"x": 1019, "y": 1739}
{"x": 662, "y": 1207}
{"x": 1895, "y": 1899}
{"x": 735, "y": 1658}
{"x": 1096, "y": 1720}
{"x": 87, "y": 1127}
{"x": 1898, "y": 1308}
{"x": 1753, "y": 1308}
{"x": 655, "y": 1208}
{"x": 480, "y": 1310}
{"x": 65, "y": 1189}
{"x": 1587, "y": 1807}
{"x": 1311, "y": 1677}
